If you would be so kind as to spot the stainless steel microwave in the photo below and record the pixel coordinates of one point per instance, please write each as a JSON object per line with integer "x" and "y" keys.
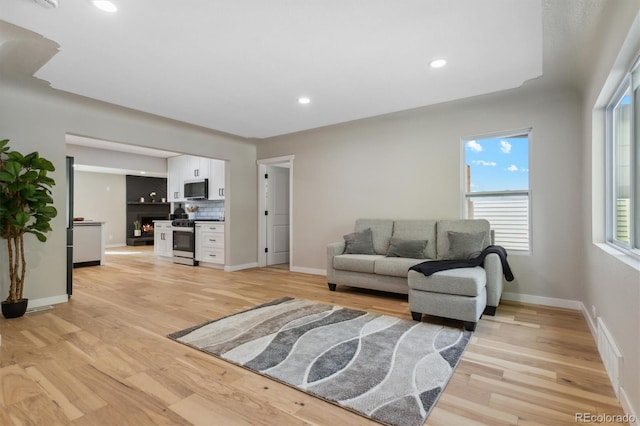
{"x": 196, "y": 189}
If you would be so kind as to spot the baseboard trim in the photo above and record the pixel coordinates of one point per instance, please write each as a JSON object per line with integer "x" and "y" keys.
{"x": 546, "y": 301}
{"x": 590, "y": 322}
{"x": 628, "y": 408}
{"x": 311, "y": 271}
{"x": 235, "y": 268}
{"x": 46, "y": 301}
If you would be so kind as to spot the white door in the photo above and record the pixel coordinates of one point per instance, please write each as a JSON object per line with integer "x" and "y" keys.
{"x": 277, "y": 197}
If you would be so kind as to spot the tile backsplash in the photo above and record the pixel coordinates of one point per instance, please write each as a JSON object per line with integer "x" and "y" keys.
{"x": 206, "y": 209}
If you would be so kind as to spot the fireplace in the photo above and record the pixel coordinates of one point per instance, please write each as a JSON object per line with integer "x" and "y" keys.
{"x": 147, "y": 224}
{"x": 147, "y": 211}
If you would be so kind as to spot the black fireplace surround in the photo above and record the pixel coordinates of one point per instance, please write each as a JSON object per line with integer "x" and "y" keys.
{"x": 146, "y": 212}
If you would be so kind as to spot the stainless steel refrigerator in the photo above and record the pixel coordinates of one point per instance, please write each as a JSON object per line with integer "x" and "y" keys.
{"x": 69, "y": 226}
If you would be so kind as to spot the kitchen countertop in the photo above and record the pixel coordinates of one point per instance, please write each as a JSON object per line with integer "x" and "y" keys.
{"x": 87, "y": 223}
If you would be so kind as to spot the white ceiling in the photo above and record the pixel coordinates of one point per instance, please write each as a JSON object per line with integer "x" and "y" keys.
{"x": 239, "y": 66}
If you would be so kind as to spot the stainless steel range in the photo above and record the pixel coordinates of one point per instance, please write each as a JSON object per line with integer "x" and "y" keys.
{"x": 184, "y": 242}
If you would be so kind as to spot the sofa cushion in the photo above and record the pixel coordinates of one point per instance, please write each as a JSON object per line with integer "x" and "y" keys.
{"x": 418, "y": 230}
{"x": 400, "y": 247}
{"x": 462, "y": 281}
{"x": 359, "y": 242}
{"x": 382, "y": 230}
{"x": 395, "y": 266}
{"x": 469, "y": 226}
{"x": 356, "y": 262}
{"x": 464, "y": 245}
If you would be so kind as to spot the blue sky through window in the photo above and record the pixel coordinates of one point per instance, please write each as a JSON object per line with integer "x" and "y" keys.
{"x": 626, "y": 100}
{"x": 498, "y": 164}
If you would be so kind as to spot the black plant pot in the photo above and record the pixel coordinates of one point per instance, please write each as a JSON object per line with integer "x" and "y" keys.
{"x": 14, "y": 309}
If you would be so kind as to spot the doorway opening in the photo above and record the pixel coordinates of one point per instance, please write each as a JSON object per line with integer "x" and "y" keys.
{"x": 275, "y": 209}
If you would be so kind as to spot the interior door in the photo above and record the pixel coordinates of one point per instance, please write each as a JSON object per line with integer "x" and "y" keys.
{"x": 277, "y": 197}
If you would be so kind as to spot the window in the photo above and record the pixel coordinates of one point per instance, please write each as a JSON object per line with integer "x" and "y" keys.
{"x": 497, "y": 186}
{"x": 623, "y": 164}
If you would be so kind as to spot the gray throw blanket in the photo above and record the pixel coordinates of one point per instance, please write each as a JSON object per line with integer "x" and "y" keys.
{"x": 432, "y": 266}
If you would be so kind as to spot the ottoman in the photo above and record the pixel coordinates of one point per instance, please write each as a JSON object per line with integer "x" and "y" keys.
{"x": 456, "y": 293}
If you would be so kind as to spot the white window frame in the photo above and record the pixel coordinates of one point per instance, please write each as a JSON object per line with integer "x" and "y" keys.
{"x": 466, "y": 195}
{"x": 633, "y": 247}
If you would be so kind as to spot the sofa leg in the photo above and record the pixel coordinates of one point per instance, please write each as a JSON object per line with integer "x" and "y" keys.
{"x": 417, "y": 316}
{"x": 332, "y": 287}
{"x": 490, "y": 310}
{"x": 470, "y": 326}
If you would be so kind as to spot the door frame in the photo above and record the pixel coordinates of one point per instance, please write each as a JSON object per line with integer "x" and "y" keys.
{"x": 262, "y": 204}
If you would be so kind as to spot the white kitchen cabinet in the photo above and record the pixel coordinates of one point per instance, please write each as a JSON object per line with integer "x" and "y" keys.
{"x": 210, "y": 243}
{"x": 216, "y": 180}
{"x": 88, "y": 243}
{"x": 162, "y": 238}
{"x": 184, "y": 168}
{"x": 196, "y": 168}
{"x": 176, "y": 169}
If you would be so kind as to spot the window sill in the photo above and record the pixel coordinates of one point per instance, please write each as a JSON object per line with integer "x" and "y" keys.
{"x": 512, "y": 252}
{"x": 623, "y": 256}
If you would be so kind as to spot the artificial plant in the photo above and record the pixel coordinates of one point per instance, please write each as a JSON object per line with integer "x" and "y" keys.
{"x": 25, "y": 208}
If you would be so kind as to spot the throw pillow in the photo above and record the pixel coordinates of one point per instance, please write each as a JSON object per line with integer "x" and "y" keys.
{"x": 414, "y": 249}
{"x": 464, "y": 246}
{"x": 359, "y": 242}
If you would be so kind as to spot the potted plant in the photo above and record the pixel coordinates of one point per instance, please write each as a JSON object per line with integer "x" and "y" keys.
{"x": 137, "y": 228}
{"x": 25, "y": 208}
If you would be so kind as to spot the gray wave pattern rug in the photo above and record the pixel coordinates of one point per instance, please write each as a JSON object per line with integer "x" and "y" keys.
{"x": 385, "y": 368}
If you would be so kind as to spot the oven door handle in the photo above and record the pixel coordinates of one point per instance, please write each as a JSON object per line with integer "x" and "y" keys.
{"x": 184, "y": 229}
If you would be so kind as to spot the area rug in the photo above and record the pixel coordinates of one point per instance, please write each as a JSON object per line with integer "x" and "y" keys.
{"x": 385, "y": 368}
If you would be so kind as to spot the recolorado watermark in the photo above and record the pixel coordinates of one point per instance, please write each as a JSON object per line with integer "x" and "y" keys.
{"x": 605, "y": 418}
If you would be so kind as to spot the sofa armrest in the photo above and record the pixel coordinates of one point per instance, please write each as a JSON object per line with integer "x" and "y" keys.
{"x": 333, "y": 249}
{"x": 493, "y": 268}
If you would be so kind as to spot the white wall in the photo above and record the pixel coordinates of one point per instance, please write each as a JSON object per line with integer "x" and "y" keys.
{"x": 612, "y": 283}
{"x": 102, "y": 197}
{"x": 408, "y": 165}
{"x": 37, "y": 118}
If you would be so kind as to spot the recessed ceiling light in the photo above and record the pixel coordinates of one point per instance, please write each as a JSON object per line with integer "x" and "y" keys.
{"x": 438, "y": 63}
{"x": 143, "y": 173}
{"x": 105, "y": 5}
{"x": 303, "y": 100}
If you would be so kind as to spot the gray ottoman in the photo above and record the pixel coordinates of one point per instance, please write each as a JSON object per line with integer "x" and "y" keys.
{"x": 456, "y": 293}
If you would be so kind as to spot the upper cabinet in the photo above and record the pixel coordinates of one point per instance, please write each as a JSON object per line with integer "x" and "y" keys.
{"x": 197, "y": 168}
{"x": 184, "y": 168}
{"x": 176, "y": 167}
{"x": 216, "y": 180}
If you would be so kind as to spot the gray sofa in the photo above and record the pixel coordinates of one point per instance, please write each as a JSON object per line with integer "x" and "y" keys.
{"x": 462, "y": 294}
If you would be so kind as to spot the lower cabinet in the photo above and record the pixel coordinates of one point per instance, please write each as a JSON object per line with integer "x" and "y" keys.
{"x": 162, "y": 238}
{"x": 89, "y": 243}
{"x": 210, "y": 242}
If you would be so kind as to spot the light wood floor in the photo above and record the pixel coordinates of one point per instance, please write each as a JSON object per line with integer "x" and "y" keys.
{"x": 103, "y": 358}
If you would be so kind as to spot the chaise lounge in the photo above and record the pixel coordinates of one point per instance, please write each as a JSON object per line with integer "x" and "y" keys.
{"x": 379, "y": 254}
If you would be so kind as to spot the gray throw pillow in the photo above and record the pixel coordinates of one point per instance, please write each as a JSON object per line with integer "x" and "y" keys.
{"x": 463, "y": 245}
{"x": 400, "y": 247}
{"x": 359, "y": 242}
